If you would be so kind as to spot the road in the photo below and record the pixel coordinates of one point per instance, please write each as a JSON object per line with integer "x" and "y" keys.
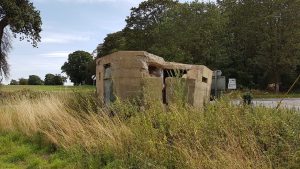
{"x": 291, "y": 103}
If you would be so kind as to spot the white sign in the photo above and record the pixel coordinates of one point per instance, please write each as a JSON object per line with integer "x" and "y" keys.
{"x": 232, "y": 84}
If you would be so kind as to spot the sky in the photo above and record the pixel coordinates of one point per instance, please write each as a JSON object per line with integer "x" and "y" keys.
{"x": 68, "y": 26}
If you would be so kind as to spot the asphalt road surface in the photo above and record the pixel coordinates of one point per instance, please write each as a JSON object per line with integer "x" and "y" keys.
{"x": 290, "y": 103}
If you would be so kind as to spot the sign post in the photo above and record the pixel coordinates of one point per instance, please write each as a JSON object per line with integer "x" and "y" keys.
{"x": 232, "y": 84}
{"x": 219, "y": 83}
{"x": 216, "y": 83}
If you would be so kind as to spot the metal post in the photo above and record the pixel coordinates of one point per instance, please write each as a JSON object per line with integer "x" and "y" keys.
{"x": 216, "y": 85}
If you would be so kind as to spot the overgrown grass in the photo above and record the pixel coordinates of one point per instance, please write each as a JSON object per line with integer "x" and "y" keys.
{"x": 126, "y": 135}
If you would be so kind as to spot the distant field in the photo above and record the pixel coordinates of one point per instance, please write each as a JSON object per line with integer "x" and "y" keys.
{"x": 87, "y": 88}
{"x": 12, "y": 88}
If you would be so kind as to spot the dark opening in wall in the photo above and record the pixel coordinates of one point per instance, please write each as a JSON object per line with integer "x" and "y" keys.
{"x": 204, "y": 79}
{"x": 155, "y": 71}
{"x": 174, "y": 73}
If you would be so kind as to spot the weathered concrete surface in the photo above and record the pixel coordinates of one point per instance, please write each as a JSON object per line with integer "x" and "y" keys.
{"x": 132, "y": 74}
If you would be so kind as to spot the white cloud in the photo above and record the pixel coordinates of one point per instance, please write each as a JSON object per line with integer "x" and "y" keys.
{"x": 60, "y": 38}
{"x": 56, "y": 54}
{"x": 92, "y": 1}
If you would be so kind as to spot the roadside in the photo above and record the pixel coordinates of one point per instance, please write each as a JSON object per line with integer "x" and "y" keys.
{"x": 289, "y": 103}
{"x": 267, "y": 99}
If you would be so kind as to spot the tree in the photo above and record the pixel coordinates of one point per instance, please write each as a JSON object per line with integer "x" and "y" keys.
{"x": 143, "y": 20}
{"x": 77, "y": 67}
{"x": 23, "y": 20}
{"x": 59, "y": 80}
{"x": 264, "y": 39}
{"x": 5, "y": 46}
{"x": 191, "y": 33}
{"x": 34, "y": 80}
{"x": 256, "y": 42}
{"x": 51, "y": 79}
{"x": 279, "y": 51}
{"x": 183, "y": 32}
{"x": 91, "y": 72}
{"x": 112, "y": 43}
{"x": 14, "y": 82}
{"x": 23, "y": 81}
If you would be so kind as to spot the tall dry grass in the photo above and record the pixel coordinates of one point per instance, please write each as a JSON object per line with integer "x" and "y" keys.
{"x": 62, "y": 125}
{"x": 128, "y": 136}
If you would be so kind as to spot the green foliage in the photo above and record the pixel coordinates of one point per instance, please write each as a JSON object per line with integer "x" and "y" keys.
{"x": 194, "y": 33}
{"x": 78, "y": 67}
{"x": 13, "y": 82}
{"x": 142, "y": 20}
{"x": 112, "y": 43}
{"x": 264, "y": 40}
{"x": 255, "y": 42}
{"x": 23, "y": 20}
{"x": 23, "y": 81}
{"x": 51, "y": 79}
{"x": 34, "y": 80}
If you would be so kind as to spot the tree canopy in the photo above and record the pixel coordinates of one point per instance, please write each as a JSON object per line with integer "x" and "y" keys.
{"x": 23, "y": 81}
{"x": 257, "y": 42}
{"x": 21, "y": 19}
{"x": 51, "y": 79}
{"x": 142, "y": 20}
{"x": 34, "y": 80}
{"x": 265, "y": 40}
{"x": 14, "y": 82}
{"x": 78, "y": 67}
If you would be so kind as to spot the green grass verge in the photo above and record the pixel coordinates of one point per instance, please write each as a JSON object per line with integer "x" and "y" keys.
{"x": 18, "y": 151}
{"x": 13, "y": 88}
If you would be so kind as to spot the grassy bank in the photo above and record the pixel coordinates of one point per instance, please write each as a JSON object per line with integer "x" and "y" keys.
{"x": 44, "y": 88}
{"x": 83, "y": 134}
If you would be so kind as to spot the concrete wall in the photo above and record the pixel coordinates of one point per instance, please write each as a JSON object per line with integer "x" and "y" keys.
{"x": 131, "y": 78}
{"x": 127, "y": 74}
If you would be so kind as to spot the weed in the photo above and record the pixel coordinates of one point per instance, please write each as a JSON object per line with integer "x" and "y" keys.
{"x": 77, "y": 128}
